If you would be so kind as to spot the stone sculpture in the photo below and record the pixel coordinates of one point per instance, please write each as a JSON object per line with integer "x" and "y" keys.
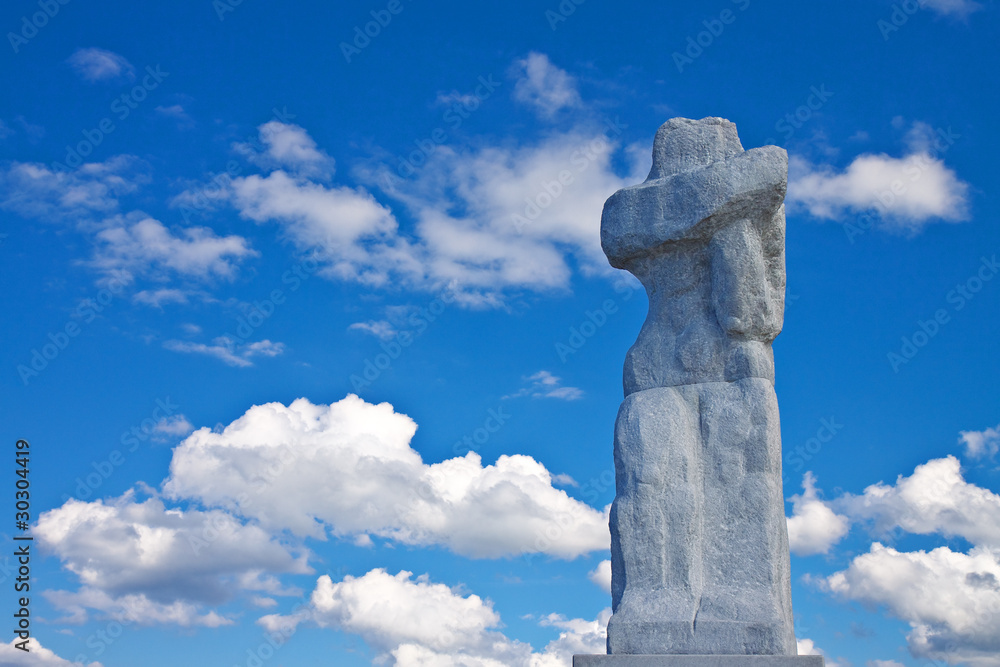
{"x": 699, "y": 552}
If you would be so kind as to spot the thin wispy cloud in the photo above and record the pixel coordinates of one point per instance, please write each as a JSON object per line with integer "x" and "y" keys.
{"x": 177, "y": 113}
{"x": 957, "y": 8}
{"x": 95, "y": 64}
{"x": 381, "y": 329}
{"x": 544, "y": 384}
{"x": 228, "y": 351}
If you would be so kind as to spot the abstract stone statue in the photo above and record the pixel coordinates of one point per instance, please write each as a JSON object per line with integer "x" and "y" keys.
{"x": 699, "y": 547}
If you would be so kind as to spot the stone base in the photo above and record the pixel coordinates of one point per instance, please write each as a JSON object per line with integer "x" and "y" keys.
{"x": 622, "y": 660}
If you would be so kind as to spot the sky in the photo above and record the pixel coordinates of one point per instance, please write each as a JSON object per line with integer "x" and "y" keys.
{"x": 309, "y": 330}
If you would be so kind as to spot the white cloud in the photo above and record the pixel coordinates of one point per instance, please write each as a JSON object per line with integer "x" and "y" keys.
{"x": 544, "y": 86}
{"x": 951, "y": 600}
{"x": 500, "y": 217}
{"x": 419, "y": 623}
{"x": 979, "y": 444}
{"x": 155, "y": 564}
{"x": 578, "y": 636}
{"x": 348, "y": 468}
{"x": 601, "y": 575}
{"x": 907, "y": 192}
{"x": 132, "y": 608}
{"x": 290, "y": 147}
{"x": 34, "y": 190}
{"x": 227, "y": 350}
{"x": 381, "y": 329}
{"x": 408, "y": 611}
{"x": 544, "y": 384}
{"x": 935, "y": 499}
{"x": 172, "y": 427}
{"x": 38, "y": 656}
{"x": 348, "y": 225}
{"x": 563, "y": 479}
{"x": 808, "y": 647}
{"x": 884, "y": 663}
{"x": 813, "y": 527}
{"x": 142, "y": 245}
{"x": 101, "y": 65}
{"x": 125, "y": 246}
{"x": 486, "y": 219}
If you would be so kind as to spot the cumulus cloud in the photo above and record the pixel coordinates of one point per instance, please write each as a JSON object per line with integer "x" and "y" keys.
{"x": 348, "y": 469}
{"x": 153, "y": 564}
{"x": 980, "y": 444}
{"x": 907, "y": 192}
{"x": 601, "y": 575}
{"x": 227, "y": 350}
{"x": 813, "y": 527}
{"x": 951, "y": 600}
{"x": 38, "y": 656}
{"x": 139, "y": 245}
{"x": 416, "y": 622}
{"x": 100, "y": 65}
{"x": 544, "y": 86}
{"x": 935, "y": 499}
{"x": 544, "y": 384}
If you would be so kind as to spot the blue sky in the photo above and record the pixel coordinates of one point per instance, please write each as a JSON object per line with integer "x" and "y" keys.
{"x": 311, "y": 342}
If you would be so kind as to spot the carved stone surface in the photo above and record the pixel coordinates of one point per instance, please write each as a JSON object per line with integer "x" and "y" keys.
{"x": 699, "y": 551}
